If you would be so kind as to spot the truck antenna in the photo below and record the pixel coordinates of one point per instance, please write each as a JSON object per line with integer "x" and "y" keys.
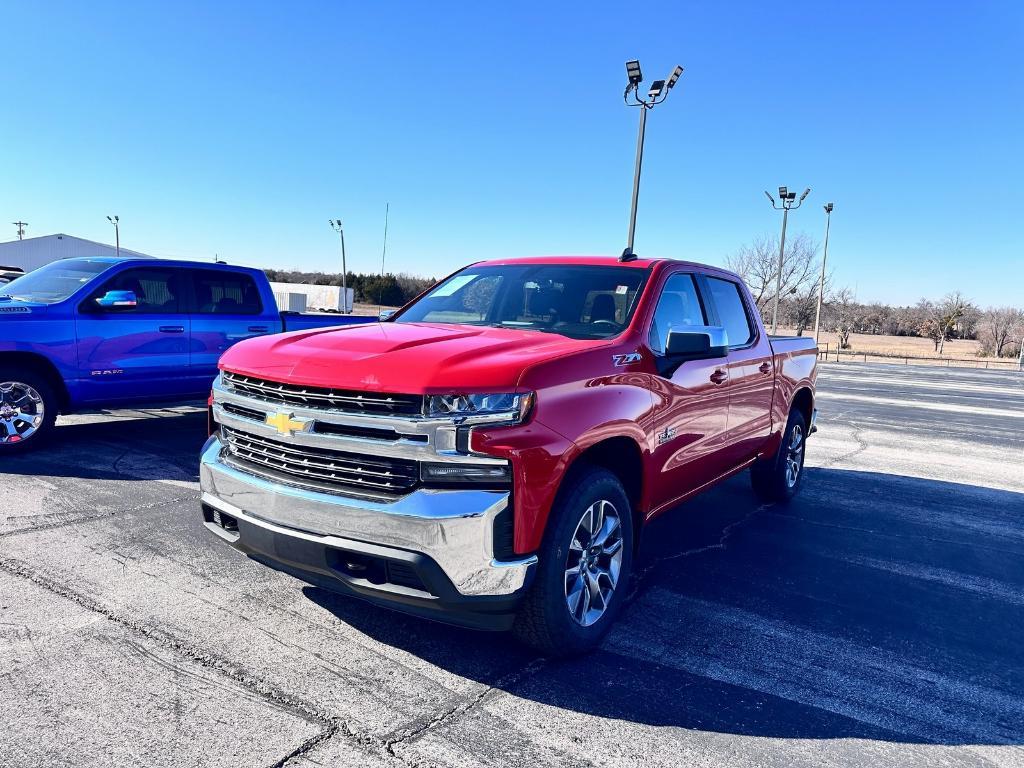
{"x": 384, "y": 253}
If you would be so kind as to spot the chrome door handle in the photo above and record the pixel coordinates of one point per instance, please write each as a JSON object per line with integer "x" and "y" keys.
{"x": 719, "y": 376}
{"x": 172, "y": 329}
{"x": 765, "y": 368}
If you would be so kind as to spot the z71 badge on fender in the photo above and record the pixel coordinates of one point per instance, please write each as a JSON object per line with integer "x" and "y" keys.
{"x": 632, "y": 357}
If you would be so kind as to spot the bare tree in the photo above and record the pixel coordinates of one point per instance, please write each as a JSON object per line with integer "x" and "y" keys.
{"x": 941, "y": 318}
{"x": 844, "y": 315}
{"x": 999, "y": 330}
{"x": 758, "y": 264}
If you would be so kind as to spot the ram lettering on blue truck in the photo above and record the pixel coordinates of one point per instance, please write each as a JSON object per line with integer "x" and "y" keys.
{"x": 82, "y": 334}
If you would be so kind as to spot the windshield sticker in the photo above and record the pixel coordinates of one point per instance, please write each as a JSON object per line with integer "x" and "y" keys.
{"x": 621, "y": 289}
{"x": 453, "y": 285}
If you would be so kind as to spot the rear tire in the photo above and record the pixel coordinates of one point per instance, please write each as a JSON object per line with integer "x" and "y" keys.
{"x": 28, "y": 410}
{"x": 584, "y": 567}
{"x": 778, "y": 478}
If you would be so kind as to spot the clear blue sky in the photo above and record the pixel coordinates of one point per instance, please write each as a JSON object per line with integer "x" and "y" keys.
{"x": 240, "y": 129}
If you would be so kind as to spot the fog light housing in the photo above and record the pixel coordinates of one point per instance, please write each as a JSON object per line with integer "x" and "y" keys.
{"x": 452, "y": 473}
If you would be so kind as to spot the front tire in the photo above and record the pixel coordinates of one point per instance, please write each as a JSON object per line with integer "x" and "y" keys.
{"x": 584, "y": 567}
{"x": 28, "y": 410}
{"x": 778, "y": 478}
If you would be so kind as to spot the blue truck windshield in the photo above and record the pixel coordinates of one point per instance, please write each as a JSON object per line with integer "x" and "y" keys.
{"x": 54, "y": 282}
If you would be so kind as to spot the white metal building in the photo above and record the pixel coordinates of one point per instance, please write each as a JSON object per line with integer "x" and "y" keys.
{"x": 33, "y": 252}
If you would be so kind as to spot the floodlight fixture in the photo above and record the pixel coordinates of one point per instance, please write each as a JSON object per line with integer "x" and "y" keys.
{"x": 656, "y": 94}
{"x": 633, "y": 72}
{"x": 828, "y": 207}
{"x": 805, "y": 194}
{"x": 783, "y": 191}
{"x": 769, "y": 196}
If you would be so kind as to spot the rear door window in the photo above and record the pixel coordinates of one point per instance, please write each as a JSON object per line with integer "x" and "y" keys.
{"x": 226, "y": 293}
{"x": 732, "y": 311}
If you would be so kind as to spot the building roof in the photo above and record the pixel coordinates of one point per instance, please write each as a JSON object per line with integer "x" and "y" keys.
{"x": 29, "y": 242}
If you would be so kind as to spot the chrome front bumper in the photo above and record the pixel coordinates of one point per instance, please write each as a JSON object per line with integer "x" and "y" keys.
{"x": 454, "y": 529}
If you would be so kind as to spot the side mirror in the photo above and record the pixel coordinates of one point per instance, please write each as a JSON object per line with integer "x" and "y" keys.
{"x": 117, "y": 301}
{"x": 385, "y": 314}
{"x": 703, "y": 343}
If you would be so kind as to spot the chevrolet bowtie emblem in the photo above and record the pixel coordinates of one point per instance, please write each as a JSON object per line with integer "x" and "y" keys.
{"x": 286, "y": 423}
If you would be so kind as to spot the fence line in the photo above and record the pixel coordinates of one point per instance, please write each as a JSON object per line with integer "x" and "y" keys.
{"x": 828, "y": 354}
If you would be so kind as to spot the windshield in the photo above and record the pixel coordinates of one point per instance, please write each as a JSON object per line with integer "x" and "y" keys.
{"x": 581, "y": 302}
{"x": 54, "y": 282}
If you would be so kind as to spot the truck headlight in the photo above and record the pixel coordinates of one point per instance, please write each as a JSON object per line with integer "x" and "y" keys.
{"x": 511, "y": 408}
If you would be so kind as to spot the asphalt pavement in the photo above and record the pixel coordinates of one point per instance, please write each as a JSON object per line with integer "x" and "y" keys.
{"x": 876, "y": 620}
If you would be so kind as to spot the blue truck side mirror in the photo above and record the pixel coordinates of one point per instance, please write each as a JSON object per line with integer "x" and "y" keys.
{"x": 385, "y": 314}
{"x": 117, "y": 301}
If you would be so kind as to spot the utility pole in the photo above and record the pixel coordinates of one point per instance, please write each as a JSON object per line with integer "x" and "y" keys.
{"x": 786, "y": 199}
{"x": 336, "y": 226}
{"x": 21, "y": 228}
{"x": 1020, "y": 357}
{"x": 658, "y": 93}
{"x": 821, "y": 283}
{"x": 117, "y": 233}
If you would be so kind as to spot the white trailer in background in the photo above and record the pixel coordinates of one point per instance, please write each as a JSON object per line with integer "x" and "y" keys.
{"x": 316, "y": 296}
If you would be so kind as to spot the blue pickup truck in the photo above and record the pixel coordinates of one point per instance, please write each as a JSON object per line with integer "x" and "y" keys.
{"x": 83, "y": 334}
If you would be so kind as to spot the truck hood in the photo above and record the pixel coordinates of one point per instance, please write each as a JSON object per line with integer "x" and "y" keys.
{"x": 412, "y": 358}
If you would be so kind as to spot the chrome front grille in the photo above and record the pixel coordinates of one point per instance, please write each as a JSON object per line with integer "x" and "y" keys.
{"x": 346, "y": 401}
{"x": 320, "y": 469}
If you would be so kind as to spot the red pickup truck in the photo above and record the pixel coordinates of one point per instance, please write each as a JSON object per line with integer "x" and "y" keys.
{"x": 489, "y": 455}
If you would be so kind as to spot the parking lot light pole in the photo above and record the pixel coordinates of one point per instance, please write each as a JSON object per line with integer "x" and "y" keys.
{"x": 336, "y": 225}
{"x": 786, "y": 203}
{"x": 117, "y": 233}
{"x": 821, "y": 283}
{"x": 657, "y": 93}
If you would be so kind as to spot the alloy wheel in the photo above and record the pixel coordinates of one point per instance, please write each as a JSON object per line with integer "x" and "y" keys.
{"x": 22, "y": 412}
{"x": 593, "y": 563}
{"x": 794, "y": 455}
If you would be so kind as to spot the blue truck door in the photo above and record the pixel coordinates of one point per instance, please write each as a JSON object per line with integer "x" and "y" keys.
{"x": 228, "y": 308}
{"x": 139, "y": 353}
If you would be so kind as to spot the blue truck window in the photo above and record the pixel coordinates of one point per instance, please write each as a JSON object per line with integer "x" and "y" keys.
{"x": 158, "y": 291}
{"x": 220, "y": 293}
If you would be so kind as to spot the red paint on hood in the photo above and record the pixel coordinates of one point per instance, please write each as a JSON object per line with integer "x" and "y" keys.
{"x": 412, "y": 358}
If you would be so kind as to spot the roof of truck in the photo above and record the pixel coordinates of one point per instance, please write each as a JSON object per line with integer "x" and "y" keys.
{"x": 603, "y": 261}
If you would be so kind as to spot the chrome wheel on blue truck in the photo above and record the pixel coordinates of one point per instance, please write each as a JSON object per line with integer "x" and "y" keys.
{"x": 27, "y": 410}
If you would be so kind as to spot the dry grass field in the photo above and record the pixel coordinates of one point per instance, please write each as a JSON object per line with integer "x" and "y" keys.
{"x": 877, "y": 348}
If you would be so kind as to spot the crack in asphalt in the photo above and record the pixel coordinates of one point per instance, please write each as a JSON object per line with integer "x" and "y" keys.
{"x": 254, "y": 685}
{"x": 640, "y": 577}
{"x": 332, "y": 725}
{"x": 411, "y": 734}
{"x": 73, "y": 518}
{"x": 862, "y": 445}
